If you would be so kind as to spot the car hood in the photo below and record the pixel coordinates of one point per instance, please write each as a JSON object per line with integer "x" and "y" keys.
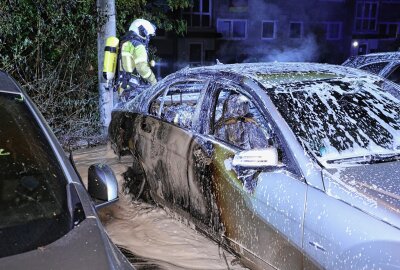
{"x": 84, "y": 247}
{"x": 373, "y": 188}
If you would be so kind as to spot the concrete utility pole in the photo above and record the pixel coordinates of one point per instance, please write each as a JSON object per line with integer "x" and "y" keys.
{"x": 106, "y": 10}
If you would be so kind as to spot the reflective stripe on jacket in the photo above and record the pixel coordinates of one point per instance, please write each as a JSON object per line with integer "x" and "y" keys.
{"x": 134, "y": 56}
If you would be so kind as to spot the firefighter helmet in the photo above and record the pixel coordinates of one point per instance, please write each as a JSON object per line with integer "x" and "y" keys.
{"x": 143, "y": 28}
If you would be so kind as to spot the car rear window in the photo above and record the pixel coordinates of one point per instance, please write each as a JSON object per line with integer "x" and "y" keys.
{"x": 33, "y": 199}
{"x": 375, "y": 68}
{"x": 395, "y": 75}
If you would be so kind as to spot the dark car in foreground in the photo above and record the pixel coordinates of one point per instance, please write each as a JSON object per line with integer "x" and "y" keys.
{"x": 47, "y": 219}
{"x": 289, "y": 165}
{"x": 386, "y": 64}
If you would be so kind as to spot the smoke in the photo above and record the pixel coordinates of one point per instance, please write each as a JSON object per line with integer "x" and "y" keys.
{"x": 282, "y": 48}
{"x": 306, "y": 51}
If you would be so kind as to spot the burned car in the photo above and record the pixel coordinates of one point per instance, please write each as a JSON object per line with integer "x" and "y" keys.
{"x": 386, "y": 64}
{"x": 289, "y": 165}
{"x": 47, "y": 219}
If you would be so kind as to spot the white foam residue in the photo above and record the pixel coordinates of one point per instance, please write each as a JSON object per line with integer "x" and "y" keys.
{"x": 340, "y": 129}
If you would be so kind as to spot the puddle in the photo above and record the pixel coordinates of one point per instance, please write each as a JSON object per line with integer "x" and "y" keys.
{"x": 149, "y": 237}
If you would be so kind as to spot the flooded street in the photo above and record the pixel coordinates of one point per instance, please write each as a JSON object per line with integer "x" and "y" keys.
{"x": 155, "y": 239}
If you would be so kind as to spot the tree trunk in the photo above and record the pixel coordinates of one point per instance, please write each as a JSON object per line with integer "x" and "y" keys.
{"x": 106, "y": 10}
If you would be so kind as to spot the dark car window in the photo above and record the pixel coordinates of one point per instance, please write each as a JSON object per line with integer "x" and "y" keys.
{"x": 177, "y": 105}
{"x": 33, "y": 200}
{"x": 374, "y": 68}
{"x": 395, "y": 75}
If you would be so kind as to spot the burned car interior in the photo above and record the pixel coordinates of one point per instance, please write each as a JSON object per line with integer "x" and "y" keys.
{"x": 234, "y": 120}
{"x": 178, "y": 103}
{"x": 237, "y": 125}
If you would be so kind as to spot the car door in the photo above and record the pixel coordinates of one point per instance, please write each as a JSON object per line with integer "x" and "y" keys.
{"x": 171, "y": 128}
{"x": 260, "y": 213}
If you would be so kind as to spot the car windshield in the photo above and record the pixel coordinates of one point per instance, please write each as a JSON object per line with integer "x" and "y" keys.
{"x": 339, "y": 119}
{"x": 33, "y": 199}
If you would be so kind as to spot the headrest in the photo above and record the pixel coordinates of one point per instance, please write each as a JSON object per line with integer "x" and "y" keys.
{"x": 236, "y": 106}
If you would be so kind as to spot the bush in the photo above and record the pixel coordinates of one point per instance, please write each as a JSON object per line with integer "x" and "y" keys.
{"x": 50, "y": 47}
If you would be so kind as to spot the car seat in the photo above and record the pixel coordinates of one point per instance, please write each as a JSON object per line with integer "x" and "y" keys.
{"x": 237, "y": 125}
{"x": 180, "y": 114}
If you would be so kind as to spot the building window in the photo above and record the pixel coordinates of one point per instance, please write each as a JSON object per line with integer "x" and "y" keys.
{"x": 296, "y": 30}
{"x": 238, "y": 5}
{"x": 162, "y": 69}
{"x": 333, "y": 30}
{"x": 268, "y": 30}
{"x": 389, "y": 30}
{"x": 366, "y": 16}
{"x": 160, "y": 34}
{"x": 232, "y": 29}
{"x": 195, "y": 54}
{"x": 199, "y": 14}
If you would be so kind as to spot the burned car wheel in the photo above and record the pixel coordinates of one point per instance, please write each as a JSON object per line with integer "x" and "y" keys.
{"x": 135, "y": 182}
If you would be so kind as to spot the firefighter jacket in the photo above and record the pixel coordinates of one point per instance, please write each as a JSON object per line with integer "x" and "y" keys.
{"x": 134, "y": 57}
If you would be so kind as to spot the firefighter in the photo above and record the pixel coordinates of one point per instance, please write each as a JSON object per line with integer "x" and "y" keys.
{"x": 134, "y": 64}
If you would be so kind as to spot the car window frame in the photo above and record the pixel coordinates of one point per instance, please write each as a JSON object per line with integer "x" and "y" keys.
{"x": 243, "y": 89}
{"x": 163, "y": 91}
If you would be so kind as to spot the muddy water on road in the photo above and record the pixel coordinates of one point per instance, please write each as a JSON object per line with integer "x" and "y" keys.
{"x": 155, "y": 239}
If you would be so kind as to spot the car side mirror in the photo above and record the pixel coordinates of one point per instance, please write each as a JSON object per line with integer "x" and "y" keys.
{"x": 102, "y": 185}
{"x": 256, "y": 158}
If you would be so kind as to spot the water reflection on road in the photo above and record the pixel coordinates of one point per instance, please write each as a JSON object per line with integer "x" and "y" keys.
{"x": 155, "y": 239}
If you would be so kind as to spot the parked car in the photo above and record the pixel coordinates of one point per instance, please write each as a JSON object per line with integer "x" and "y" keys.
{"x": 47, "y": 220}
{"x": 386, "y": 64}
{"x": 291, "y": 166}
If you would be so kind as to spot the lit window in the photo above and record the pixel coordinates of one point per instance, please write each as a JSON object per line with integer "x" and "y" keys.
{"x": 232, "y": 29}
{"x": 296, "y": 30}
{"x": 199, "y": 14}
{"x": 366, "y": 16}
{"x": 333, "y": 30}
{"x": 268, "y": 30}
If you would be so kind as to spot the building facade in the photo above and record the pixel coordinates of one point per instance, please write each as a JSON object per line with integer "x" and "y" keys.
{"x": 236, "y": 31}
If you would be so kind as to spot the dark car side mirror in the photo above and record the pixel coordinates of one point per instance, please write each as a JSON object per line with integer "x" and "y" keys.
{"x": 102, "y": 185}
